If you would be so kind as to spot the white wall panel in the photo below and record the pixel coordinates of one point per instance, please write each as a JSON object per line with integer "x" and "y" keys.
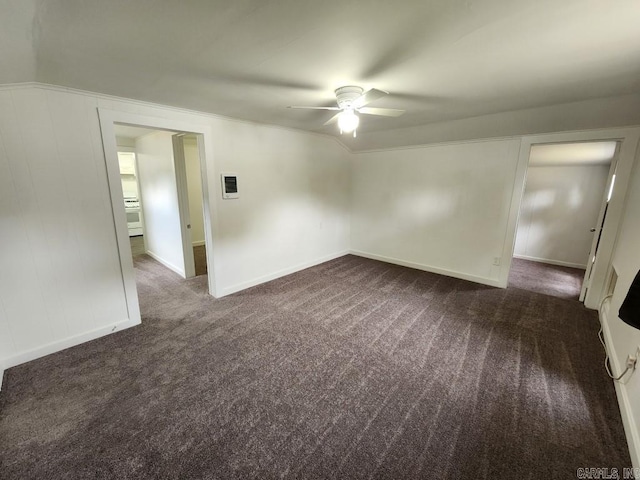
{"x": 443, "y": 208}
{"x": 293, "y": 204}
{"x": 559, "y": 207}
{"x": 30, "y": 288}
{"x": 58, "y": 265}
{"x": 98, "y": 277}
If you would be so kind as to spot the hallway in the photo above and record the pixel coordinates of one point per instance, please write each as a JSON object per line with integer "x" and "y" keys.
{"x": 199, "y": 253}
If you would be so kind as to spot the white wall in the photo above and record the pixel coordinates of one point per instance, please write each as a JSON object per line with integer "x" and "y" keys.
{"x": 622, "y": 339}
{"x": 293, "y": 207}
{"x": 61, "y": 279}
{"x": 560, "y": 205}
{"x": 443, "y": 208}
{"x": 194, "y": 189}
{"x": 159, "y": 193}
{"x": 61, "y": 282}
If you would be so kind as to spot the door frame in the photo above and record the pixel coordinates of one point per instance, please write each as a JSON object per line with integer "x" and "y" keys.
{"x": 604, "y": 207}
{"x": 628, "y": 138}
{"x": 204, "y": 134}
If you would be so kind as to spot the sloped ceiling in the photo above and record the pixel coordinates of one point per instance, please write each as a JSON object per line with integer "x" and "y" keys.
{"x": 442, "y": 61}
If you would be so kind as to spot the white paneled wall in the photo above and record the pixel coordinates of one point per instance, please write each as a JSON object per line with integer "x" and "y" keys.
{"x": 560, "y": 205}
{"x": 443, "y": 208}
{"x": 60, "y": 273}
{"x": 60, "y": 278}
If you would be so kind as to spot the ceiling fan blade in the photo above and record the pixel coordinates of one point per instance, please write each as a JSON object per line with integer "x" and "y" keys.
{"x": 314, "y": 108}
{"x": 368, "y": 97}
{"x": 385, "y": 112}
{"x": 333, "y": 119}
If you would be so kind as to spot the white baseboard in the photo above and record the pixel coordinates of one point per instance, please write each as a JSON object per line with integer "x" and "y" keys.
{"x": 169, "y": 265}
{"x": 280, "y": 273}
{"x": 63, "y": 344}
{"x": 560, "y": 263}
{"x": 628, "y": 421}
{"x": 440, "y": 271}
{"x": 199, "y": 243}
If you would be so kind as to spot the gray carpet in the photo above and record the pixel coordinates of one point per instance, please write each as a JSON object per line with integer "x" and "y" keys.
{"x": 351, "y": 369}
{"x": 200, "y": 259}
{"x": 137, "y": 245}
{"x": 563, "y": 282}
{"x": 199, "y": 254}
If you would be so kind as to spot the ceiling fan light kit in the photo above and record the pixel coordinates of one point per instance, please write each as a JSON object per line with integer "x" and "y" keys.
{"x": 348, "y": 121}
{"x": 351, "y": 100}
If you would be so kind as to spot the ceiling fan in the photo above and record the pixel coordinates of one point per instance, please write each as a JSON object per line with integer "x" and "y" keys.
{"x": 351, "y": 102}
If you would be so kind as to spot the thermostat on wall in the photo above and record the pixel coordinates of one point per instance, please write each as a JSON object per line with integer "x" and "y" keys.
{"x": 230, "y": 185}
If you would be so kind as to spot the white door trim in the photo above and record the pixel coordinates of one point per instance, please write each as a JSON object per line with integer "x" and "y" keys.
{"x": 628, "y": 138}
{"x": 593, "y": 251}
{"x": 107, "y": 119}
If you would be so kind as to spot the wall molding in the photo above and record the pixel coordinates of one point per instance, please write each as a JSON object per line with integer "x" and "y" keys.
{"x": 427, "y": 268}
{"x": 624, "y": 403}
{"x": 281, "y": 273}
{"x": 550, "y": 261}
{"x": 65, "y": 343}
{"x": 169, "y": 265}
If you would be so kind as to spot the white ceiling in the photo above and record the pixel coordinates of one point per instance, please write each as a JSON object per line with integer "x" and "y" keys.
{"x": 441, "y": 60}
{"x": 567, "y": 154}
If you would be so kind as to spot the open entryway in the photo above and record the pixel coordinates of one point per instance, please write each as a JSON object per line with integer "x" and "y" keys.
{"x": 160, "y": 196}
{"x": 162, "y": 190}
{"x": 567, "y": 191}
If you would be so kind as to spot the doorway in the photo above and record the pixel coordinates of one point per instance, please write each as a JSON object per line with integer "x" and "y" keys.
{"x": 109, "y": 119}
{"x": 162, "y": 190}
{"x": 564, "y": 205}
{"x": 189, "y": 185}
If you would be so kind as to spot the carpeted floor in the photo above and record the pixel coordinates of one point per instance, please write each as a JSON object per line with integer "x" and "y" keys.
{"x": 137, "y": 245}
{"x": 199, "y": 253}
{"x": 200, "y": 259}
{"x": 563, "y": 282}
{"x": 351, "y": 369}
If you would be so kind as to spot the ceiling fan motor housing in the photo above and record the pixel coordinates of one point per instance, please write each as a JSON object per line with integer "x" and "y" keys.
{"x": 346, "y": 95}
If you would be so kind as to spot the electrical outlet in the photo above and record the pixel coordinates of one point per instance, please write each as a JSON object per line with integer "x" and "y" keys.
{"x": 631, "y": 362}
{"x": 496, "y": 261}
